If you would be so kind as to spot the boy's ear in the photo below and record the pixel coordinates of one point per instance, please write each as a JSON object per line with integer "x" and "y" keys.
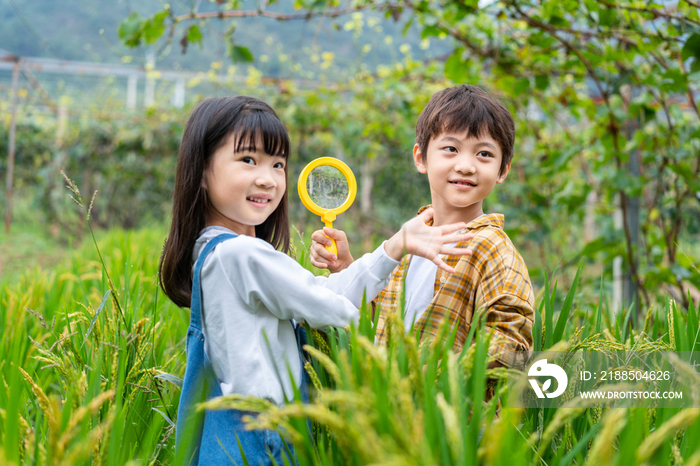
{"x": 502, "y": 177}
{"x": 418, "y": 159}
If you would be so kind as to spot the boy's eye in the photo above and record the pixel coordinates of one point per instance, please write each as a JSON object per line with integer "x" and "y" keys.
{"x": 449, "y": 149}
{"x": 484, "y": 153}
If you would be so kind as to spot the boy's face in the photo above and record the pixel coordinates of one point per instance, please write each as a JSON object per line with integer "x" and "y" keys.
{"x": 462, "y": 170}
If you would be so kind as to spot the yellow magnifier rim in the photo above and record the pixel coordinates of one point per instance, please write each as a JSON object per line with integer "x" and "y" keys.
{"x": 327, "y": 215}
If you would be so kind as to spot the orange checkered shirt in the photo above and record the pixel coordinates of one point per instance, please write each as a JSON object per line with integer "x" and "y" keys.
{"x": 493, "y": 277}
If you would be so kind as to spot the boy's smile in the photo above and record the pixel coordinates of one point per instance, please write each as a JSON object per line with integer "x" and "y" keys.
{"x": 462, "y": 170}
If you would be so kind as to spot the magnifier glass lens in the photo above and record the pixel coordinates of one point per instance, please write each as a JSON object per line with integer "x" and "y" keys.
{"x": 327, "y": 187}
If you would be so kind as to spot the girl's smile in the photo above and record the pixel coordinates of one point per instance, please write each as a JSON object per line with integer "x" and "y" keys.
{"x": 244, "y": 187}
{"x": 260, "y": 201}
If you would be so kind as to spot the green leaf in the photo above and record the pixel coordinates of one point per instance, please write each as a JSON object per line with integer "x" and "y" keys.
{"x": 407, "y": 26}
{"x": 194, "y": 34}
{"x": 130, "y": 30}
{"x": 522, "y": 86}
{"x": 691, "y": 48}
{"x": 153, "y": 29}
{"x": 541, "y": 82}
{"x": 673, "y": 80}
{"x": 240, "y": 54}
{"x": 430, "y": 31}
{"x": 455, "y": 68}
{"x": 607, "y": 17}
{"x": 597, "y": 245}
{"x": 695, "y": 67}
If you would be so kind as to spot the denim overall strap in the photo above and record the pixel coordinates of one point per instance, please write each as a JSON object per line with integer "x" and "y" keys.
{"x": 196, "y": 306}
{"x": 198, "y": 383}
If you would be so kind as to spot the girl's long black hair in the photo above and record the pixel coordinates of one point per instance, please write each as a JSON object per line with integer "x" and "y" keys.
{"x": 251, "y": 121}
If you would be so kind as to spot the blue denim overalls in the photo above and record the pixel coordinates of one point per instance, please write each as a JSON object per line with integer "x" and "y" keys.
{"x": 200, "y": 436}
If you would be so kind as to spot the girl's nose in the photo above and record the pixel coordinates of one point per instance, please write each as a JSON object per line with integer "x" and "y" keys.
{"x": 266, "y": 180}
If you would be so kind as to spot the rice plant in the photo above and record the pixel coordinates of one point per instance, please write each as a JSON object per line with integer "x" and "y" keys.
{"x": 93, "y": 355}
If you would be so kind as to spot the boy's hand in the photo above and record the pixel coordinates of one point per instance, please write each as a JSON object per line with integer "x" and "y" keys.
{"x": 417, "y": 238}
{"x": 322, "y": 257}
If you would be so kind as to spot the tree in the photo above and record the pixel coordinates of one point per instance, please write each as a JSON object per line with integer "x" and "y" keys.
{"x": 605, "y": 98}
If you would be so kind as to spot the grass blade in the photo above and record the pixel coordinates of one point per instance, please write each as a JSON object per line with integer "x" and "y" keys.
{"x": 97, "y": 313}
{"x": 177, "y": 381}
{"x": 566, "y": 308}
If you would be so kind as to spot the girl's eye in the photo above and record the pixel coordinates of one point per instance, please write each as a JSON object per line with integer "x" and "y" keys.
{"x": 484, "y": 153}
{"x": 248, "y": 160}
{"x": 279, "y": 165}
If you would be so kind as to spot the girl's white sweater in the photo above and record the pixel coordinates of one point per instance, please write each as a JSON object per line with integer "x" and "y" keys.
{"x": 250, "y": 292}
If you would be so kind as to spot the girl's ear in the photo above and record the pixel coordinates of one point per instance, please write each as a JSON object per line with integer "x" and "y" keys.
{"x": 418, "y": 159}
{"x": 204, "y": 179}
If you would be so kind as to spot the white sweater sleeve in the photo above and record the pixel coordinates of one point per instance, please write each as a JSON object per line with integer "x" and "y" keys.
{"x": 370, "y": 272}
{"x": 264, "y": 277}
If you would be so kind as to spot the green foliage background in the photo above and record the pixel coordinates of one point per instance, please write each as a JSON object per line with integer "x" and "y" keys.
{"x": 593, "y": 86}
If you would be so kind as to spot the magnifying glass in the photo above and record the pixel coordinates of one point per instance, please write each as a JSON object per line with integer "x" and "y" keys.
{"x": 327, "y": 187}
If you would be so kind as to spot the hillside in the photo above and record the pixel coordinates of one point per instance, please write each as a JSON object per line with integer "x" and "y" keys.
{"x": 70, "y": 29}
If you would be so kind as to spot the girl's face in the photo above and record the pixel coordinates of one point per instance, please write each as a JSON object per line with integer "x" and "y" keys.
{"x": 243, "y": 187}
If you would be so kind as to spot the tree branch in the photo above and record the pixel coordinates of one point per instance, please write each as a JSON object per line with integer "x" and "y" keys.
{"x": 545, "y": 27}
{"x": 286, "y": 17}
{"x": 655, "y": 13}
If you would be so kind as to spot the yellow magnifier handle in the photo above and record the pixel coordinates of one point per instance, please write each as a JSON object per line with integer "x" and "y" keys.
{"x": 333, "y": 247}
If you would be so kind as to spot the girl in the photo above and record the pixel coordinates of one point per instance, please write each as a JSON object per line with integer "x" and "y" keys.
{"x": 225, "y": 259}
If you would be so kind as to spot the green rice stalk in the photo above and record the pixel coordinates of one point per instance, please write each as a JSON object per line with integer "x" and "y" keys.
{"x": 694, "y": 460}
{"x": 328, "y": 364}
{"x": 601, "y": 451}
{"x": 87, "y": 445}
{"x": 666, "y": 431}
{"x": 671, "y": 324}
{"x": 452, "y": 427}
{"x": 77, "y": 417}
{"x": 313, "y": 376}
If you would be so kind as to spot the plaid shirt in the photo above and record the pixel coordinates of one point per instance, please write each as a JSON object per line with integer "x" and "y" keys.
{"x": 494, "y": 277}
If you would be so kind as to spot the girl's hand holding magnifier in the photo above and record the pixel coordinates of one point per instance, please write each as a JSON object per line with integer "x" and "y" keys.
{"x": 322, "y": 258}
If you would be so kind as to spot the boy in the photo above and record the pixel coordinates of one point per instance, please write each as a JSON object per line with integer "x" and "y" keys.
{"x": 464, "y": 144}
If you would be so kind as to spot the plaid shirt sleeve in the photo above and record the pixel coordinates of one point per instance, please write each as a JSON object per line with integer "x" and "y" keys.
{"x": 505, "y": 294}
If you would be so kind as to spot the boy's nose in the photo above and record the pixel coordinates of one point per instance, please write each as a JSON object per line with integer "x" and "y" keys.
{"x": 465, "y": 166}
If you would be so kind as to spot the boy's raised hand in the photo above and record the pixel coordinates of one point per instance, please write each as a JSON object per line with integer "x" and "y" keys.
{"x": 417, "y": 238}
{"x": 322, "y": 257}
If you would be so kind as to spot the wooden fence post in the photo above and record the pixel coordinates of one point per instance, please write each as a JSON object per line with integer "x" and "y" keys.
{"x": 11, "y": 154}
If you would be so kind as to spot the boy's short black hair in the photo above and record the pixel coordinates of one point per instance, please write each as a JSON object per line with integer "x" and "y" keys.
{"x": 466, "y": 108}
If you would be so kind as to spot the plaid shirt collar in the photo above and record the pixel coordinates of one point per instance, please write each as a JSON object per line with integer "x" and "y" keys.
{"x": 494, "y": 220}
